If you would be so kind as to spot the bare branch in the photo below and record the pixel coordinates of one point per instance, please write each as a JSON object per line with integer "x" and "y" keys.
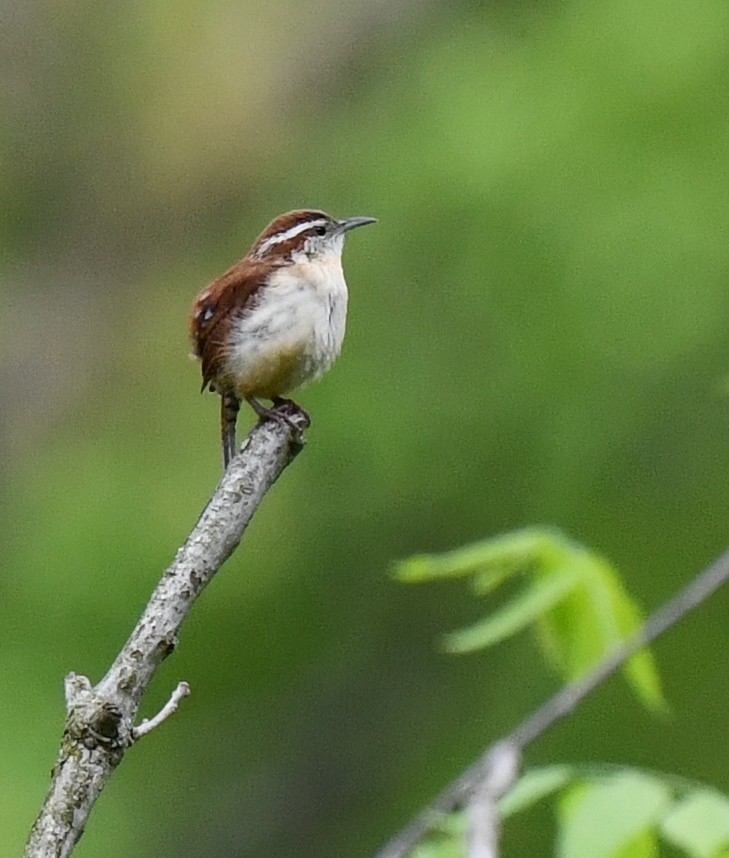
{"x": 100, "y": 720}
{"x": 563, "y": 703}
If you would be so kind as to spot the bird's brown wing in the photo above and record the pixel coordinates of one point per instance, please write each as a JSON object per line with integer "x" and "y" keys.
{"x": 215, "y": 309}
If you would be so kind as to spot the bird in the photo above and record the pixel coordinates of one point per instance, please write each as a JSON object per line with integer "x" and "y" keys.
{"x": 275, "y": 320}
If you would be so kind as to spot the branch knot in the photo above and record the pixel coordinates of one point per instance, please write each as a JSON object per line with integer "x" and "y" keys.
{"x": 92, "y": 720}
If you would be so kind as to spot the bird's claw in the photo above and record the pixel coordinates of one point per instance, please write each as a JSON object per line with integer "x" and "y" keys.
{"x": 293, "y": 415}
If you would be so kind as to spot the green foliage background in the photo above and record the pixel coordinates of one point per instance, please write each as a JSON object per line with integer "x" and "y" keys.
{"x": 538, "y": 333}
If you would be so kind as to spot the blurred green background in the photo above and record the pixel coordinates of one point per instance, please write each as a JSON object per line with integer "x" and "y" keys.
{"x": 538, "y": 333}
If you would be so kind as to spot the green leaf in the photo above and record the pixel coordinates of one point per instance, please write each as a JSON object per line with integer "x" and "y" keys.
{"x": 602, "y": 818}
{"x": 580, "y": 631}
{"x": 447, "y": 840}
{"x": 574, "y": 599}
{"x": 645, "y": 845}
{"x": 453, "y": 848}
{"x": 699, "y": 824}
{"x": 539, "y": 596}
{"x": 640, "y": 670}
{"x": 499, "y": 557}
{"x": 533, "y": 786}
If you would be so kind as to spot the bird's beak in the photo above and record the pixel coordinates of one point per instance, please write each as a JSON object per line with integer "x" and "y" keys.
{"x": 353, "y": 222}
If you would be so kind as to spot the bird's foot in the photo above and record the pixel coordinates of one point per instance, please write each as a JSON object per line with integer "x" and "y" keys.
{"x": 294, "y": 415}
{"x": 285, "y": 411}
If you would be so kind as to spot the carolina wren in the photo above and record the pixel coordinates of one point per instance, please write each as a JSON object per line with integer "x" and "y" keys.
{"x": 275, "y": 320}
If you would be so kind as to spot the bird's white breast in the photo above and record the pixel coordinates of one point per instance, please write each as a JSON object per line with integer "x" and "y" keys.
{"x": 294, "y": 331}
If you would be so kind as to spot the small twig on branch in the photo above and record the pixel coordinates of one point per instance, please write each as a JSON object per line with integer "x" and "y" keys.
{"x": 149, "y": 724}
{"x": 100, "y": 719}
{"x": 563, "y": 703}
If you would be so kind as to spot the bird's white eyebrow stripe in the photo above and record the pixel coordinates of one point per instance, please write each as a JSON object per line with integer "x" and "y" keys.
{"x": 291, "y": 232}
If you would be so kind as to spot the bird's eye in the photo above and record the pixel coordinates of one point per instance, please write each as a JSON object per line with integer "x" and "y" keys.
{"x": 320, "y": 230}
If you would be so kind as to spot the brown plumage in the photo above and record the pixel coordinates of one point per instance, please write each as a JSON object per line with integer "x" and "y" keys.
{"x": 214, "y": 311}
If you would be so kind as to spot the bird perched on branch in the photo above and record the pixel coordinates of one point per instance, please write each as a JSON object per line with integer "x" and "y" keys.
{"x": 276, "y": 319}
